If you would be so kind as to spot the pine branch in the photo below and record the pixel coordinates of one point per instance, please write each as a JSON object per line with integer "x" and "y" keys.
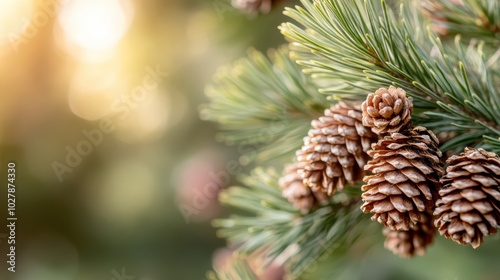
{"x": 346, "y": 49}
{"x": 265, "y": 103}
{"x": 363, "y": 45}
{"x": 473, "y": 19}
{"x": 280, "y": 231}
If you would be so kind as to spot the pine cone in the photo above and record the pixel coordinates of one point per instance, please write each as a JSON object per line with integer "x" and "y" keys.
{"x": 300, "y": 195}
{"x": 469, "y": 207}
{"x": 254, "y": 7}
{"x": 413, "y": 241}
{"x": 387, "y": 110}
{"x": 405, "y": 183}
{"x": 334, "y": 151}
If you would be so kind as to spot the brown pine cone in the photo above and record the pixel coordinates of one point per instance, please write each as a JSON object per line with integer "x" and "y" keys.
{"x": 387, "y": 110}
{"x": 300, "y": 195}
{"x": 334, "y": 151}
{"x": 405, "y": 182}
{"x": 413, "y": 241}
{"x": 469, "y": 207}
{"x": 254, "y": 7}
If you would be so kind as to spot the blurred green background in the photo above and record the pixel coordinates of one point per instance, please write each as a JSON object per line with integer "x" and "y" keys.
{"x": 67, "y": 65}
{"x": 93, "y": 207}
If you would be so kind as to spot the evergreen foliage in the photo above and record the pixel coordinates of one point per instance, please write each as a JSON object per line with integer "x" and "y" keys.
{"x": 478, "y": 19}
{"x": 343, "y": 50}
{"x": 273, "y": 227}
{"x": 364, "y": 45}
{"x": 266, "y": 103}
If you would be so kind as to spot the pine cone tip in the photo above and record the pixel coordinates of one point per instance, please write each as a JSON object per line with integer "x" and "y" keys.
{"x": 387, "y": 110}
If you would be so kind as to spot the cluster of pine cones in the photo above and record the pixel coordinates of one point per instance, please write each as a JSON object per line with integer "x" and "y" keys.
{"x": 406, "y": 187}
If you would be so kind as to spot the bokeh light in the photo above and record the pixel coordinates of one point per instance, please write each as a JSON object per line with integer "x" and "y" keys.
{"x": 116, "y": 204}
{"x": 94, "y": 25}
{"x": 14, "y": 17}
{"x": 94, "y": 88}
{"x": 123, "y": 193}
{"x": 147, "y": 120}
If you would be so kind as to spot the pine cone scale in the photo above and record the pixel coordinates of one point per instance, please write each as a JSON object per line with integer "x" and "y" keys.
{"x": 425, "y": 190}
{"x": 383, "y": 206}
{"x": 492, "y": 192}
{"x": 473, "y": 194}
{"x": 461, "y": 207}
{"x": 395, "y": 177}
{"x": 422, "y": 167}
{"x": 400, "y": 163}
{"x": 408, "y": 189}
{"x": 420, "y": 204}
{"x": 494, "y": 169}
{"x": 486, "y": 181}
{"x": 401, "y": 204}
{"x": 376, "y": 197}
{"x": 484, "y": 207}
{"x": 413, "y": 174}
{"x": 388, "y": 189}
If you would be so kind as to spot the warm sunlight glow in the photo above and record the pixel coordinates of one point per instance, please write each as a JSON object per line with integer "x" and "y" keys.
{"x": 94, "y": 25}
{"x": 14, "y": 17}
{"x": 147, "y": 121}
{"x": 93, "y": 90}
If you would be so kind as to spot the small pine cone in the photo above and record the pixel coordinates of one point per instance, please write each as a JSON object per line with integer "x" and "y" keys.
{"x": 254, "y": 7}
{"x": 387, "y": 110}
{"x": 300, "y": 195}
{"x": 413, "y": 241}
{"x": 334, "y": 151}
{"x": 405, "y": 182}
{"x": 469, "y": 207}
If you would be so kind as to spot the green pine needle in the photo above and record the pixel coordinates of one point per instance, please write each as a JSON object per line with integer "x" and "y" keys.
{"x": 276, "y": 227}
{"x": 265, "y": 105}
{"x": 363, "y": 45}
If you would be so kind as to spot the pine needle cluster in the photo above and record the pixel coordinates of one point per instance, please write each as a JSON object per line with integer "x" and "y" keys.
{"x": 444, "y": 54}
